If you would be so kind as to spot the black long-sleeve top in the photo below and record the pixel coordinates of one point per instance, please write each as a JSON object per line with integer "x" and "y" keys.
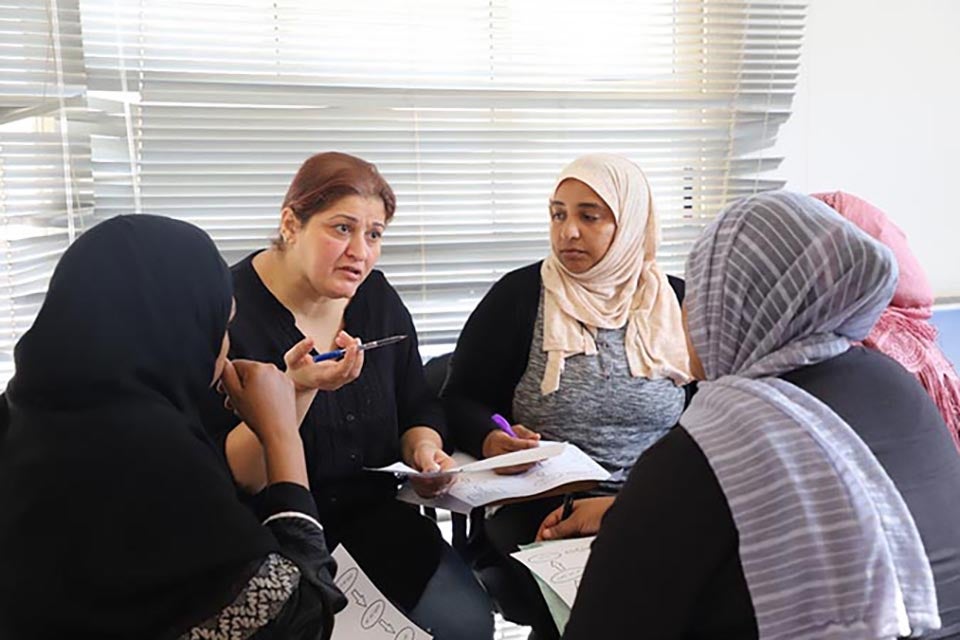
{"x": 492, "y": 354}
{"x": 666, "y": 561}
{"x": 355, "y": 427}
{"x": 360, "y": 424}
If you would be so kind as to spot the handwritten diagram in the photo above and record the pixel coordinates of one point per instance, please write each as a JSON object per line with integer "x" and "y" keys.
{"x": 368, "y": 615}
{"x": 559, "y": 564}
{"x": 484, "y": 487}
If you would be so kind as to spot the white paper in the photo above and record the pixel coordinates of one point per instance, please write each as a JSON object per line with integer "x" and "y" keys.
{"x": 484, "y": 487}
{"x": 558, "y": 564}
{"x": 368, "y": 615}
{"x": 526, "y": 456}
{"x": 402, "y": 469}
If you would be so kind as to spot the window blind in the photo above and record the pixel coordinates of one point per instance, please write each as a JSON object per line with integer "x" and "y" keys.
{"x": 205, "y": 109}
{"x": 46, "y": 188}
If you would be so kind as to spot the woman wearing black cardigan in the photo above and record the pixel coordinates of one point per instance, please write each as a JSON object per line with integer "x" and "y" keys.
{"x": 585, "y": 347}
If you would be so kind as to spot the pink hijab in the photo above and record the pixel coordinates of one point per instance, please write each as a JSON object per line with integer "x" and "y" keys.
{"x": 902, "y": 332}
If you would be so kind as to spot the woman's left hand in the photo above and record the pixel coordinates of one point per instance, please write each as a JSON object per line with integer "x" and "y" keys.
{"x": 583, "y": 521}
{"x": 328, "y": 375}
{"x": 427, "y": 456}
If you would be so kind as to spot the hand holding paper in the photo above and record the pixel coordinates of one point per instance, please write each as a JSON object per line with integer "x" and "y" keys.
{"x": 481, "y": 488}
{"x": 538, "y": 453}
{"x": 432, "y": 461}
{"x": 507, "y": 438}
{"x": 542, "y": 452}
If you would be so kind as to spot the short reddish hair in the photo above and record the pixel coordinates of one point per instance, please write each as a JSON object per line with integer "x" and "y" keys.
{"x": 327, "y": 177}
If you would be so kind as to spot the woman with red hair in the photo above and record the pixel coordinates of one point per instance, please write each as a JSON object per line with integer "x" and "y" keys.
{"x": 315, "y": 290}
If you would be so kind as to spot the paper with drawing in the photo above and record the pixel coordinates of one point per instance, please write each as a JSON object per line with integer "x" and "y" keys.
{"x": 487, "y": 487}
{"x": 368, "y": 615}
{"x": 526, "y": 456}
{"x": 559, "y": 564}
{"x": 557, "y": 568}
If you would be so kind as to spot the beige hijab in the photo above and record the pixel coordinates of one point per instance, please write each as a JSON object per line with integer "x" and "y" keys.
{"x": 625, "y": 288}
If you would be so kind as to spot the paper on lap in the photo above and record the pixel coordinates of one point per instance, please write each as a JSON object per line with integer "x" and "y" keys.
{"x": 526, "y": 456}
{"x": 368, "y": 614}
{"x": 405, "y": 470}
{"x": 539, "y": 453}
{"x": 486, "y": 487}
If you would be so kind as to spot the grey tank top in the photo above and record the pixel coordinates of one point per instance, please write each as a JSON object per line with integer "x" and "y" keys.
{"x": 612, "y": 416}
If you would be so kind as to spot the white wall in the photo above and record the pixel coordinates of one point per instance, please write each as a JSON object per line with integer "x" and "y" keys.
{"x": 877, "y": 114}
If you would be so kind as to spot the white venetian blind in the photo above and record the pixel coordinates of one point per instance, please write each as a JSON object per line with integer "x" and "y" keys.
{"x": 46, "y": 189}
{"x": 469, "y": 108}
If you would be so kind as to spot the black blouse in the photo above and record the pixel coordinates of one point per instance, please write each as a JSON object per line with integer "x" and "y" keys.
{"x": 360, "y": 424}
{"x": 666, "y": 561}
{"x": 356, "y": 426}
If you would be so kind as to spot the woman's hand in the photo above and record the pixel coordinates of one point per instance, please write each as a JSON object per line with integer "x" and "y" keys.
{"x": 264, "y": 399}
{"x": 583, "y": 521}
{"x": 422, "y": 449}
{"x": 427, "y": 456}
{"x": 262, "y": 396}
{"x": 498, "y": 442}
{"x": 328, "y": 375}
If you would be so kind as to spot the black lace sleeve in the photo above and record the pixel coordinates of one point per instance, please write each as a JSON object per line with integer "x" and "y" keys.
{"x": 291, "y": 596}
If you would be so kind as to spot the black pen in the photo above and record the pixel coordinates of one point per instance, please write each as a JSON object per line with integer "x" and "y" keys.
{"x": 567, "y": 506}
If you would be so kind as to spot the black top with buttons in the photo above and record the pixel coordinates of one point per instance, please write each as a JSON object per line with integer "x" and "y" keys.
{"x": 356, "y": 426}
{"x": 360, "y": 424}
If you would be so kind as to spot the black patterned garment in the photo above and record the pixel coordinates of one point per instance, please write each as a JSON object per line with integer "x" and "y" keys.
{"x": 256, "y": 606}
{"x": 291, "y": 593}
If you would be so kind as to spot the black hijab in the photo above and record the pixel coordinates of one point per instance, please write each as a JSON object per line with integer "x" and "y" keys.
{"x": 118, "y": 518}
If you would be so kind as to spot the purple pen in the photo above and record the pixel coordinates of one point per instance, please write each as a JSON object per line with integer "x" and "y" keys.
{"x": 501, "y": 422}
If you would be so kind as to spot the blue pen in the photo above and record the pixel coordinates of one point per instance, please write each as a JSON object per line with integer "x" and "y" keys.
{"x": 501, "y": 422}
{"x": 336, "y": 354}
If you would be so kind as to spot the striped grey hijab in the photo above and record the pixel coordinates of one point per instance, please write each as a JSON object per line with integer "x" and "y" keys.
{"x": 828, "y": 546}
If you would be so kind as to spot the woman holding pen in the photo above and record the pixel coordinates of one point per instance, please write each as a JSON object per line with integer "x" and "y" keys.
{"x": 586, "y": 346}
{"x": 312, "y": 292}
